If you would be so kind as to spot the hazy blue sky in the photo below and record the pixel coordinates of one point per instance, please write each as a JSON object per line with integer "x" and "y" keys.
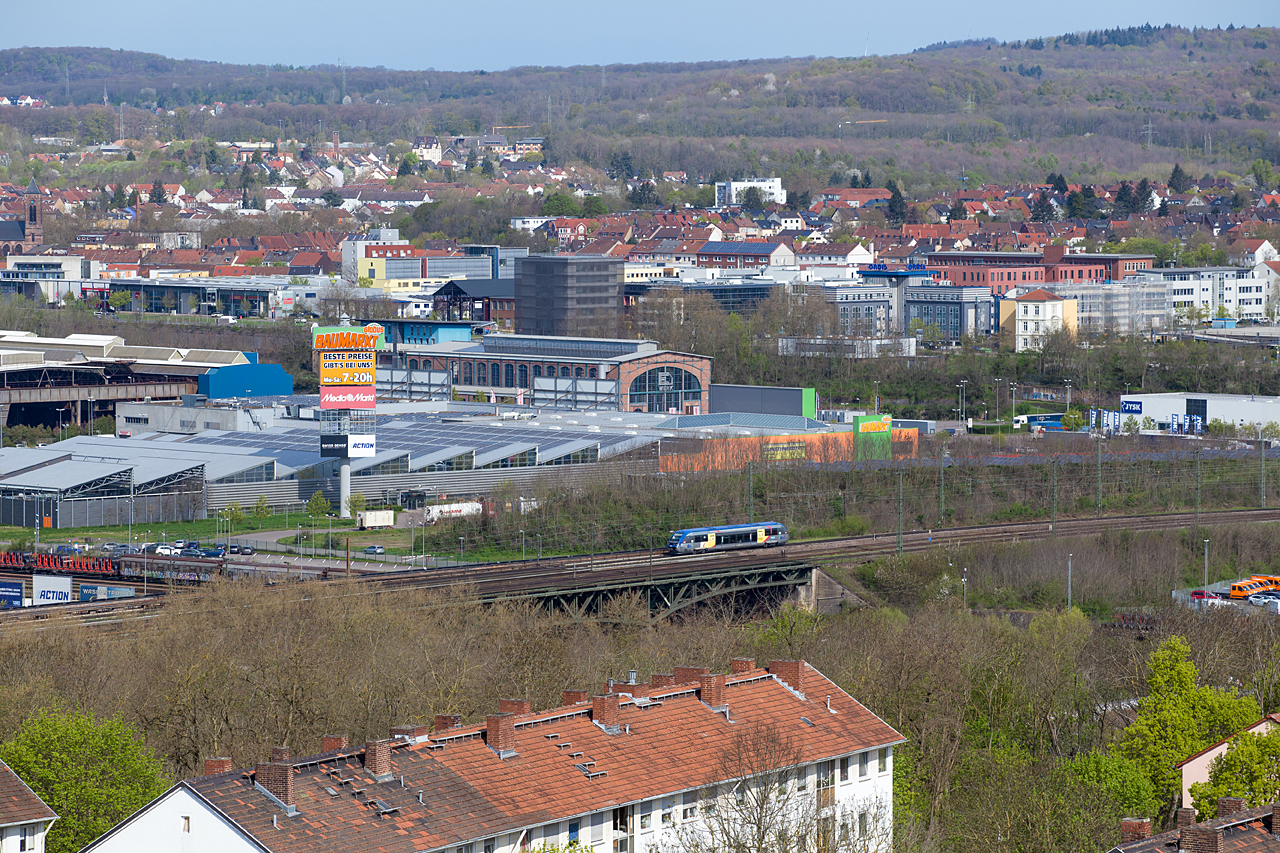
{"x": 500, "y": 34}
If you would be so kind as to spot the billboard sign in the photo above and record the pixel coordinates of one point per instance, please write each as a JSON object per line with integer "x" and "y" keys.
{"x": 371, "y": 337}
{"x": 1131, "y": 407}
{"x": 10, "y": 593}
{"x": 362, "y": 446}
{"x": 352, "y": 397}
{"x": 342, "y": 367}
{"x": 333, "y": 445}
{"x": 47, "y": 589}
{"x": 100, "y": 592}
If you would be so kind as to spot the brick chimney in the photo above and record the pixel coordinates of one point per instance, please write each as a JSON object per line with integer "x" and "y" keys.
{"x": 663, "y": 679}
{"x": 410, "y": 731}
{"x": 515, "y": 706}
{"x": 790, "y": 673}
{"x": 1275, "y": 818}
{"x": 277, "y": 779}
{"x": 377, "y": 759}
{"x": 711, "y": 689}
{"x": 1184, "y": 818}
{"x": 444, "y": 722}
{"x": 279, "y": 754}
{"x": 690, "y": 674}
{"x": 336, "y": 143}
{"x": 1134, "y": 829}
{"x": 214, "y": 766}
{"x": 740, "y": 665}
{"x": 1227, "y": 806}
{"x": 500, "y": 733}
{"x": 604, "y": 712}
{"x": 334, "y": 743}
{"x": 573, "y": 697}
{"x": 1200, "y": 839}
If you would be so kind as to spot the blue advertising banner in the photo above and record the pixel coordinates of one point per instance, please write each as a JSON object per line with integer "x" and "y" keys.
{"x": 10, "y": 593}
{"x": 98, "y": 592}
{"x": 1131, "y": 407}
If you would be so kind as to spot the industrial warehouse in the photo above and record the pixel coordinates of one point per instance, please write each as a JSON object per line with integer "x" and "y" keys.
{"x": 272, "y": 449}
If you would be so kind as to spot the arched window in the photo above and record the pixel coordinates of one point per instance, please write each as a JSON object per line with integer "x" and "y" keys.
{"x": 509, "y": 375}
{"x": 466, "y": 373}
{"x": 577, "y": 372}
{"x": 413, "y": 364}
{"x": 591, "y": 373}
{"x": 537, "y": 371}
{"x": 523, "y": 381}
{"x": 495, "y": 374}
{"x": 665, "y": 388}
{"x": 564, "y": 372}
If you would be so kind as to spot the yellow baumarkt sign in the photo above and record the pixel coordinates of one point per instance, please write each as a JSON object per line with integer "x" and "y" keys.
{"x": 371, "y": 337}
{"x": 346, "y": 368}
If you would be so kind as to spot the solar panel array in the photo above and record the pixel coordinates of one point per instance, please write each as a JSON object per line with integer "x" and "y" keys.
{"x": 422, "y": 434}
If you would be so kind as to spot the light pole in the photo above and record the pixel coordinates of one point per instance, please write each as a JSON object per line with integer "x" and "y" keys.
{"x": 964, "y": 589}
{"x": 539, "y": 535}
{"x": 423, "y": 526}
{"x": 1068, "y": 395}
{"x": 461, "y": 539}
{"x": 522, "y": 546}
{"x": 997, "y": 400}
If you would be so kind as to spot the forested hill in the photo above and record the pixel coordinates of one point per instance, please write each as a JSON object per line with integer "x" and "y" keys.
{"x": 1208, "y": 90}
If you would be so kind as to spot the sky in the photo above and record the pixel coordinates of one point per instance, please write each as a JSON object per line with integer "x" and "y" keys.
{"x": 503, "y": 34}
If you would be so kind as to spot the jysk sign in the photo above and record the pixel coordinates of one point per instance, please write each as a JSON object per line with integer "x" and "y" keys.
{"x": 47, "y": 589}
{"x": 1131, "y": 407}
{"x": 10, "y": 593}
{"x": 371, "y": 337}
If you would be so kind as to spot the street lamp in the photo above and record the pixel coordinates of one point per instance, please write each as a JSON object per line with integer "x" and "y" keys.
{"x": 1068, "y": 395}
{"x": 998, "y": 381}
{"x": 461, "y": 539}
{"x": 522, "y": 546}
{"x": 539, "y": 535}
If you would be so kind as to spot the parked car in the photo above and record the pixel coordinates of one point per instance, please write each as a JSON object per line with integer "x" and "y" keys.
{"x": 179, "y": 543}
{"x": 167, "y": 551}
{"x": 233, "y": 548}
{"x": 246, "y": 551}
{"x": 108, "y": 547}
{"x": 375, "y": 549}
{"x": 212, "y": 552}
{"x": 1260, "y": 598}
{"x": 190, "y": 552}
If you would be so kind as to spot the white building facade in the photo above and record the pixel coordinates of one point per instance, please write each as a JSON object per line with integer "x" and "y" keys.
{"x": 730, "y": 192}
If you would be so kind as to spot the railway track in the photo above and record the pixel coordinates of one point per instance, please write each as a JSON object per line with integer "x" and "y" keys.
{"x": 558, "y": 574}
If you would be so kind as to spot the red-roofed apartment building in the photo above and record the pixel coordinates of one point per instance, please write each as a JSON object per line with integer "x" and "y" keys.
{"x": 24, "y": 817}
{"x": 632, "y": 769}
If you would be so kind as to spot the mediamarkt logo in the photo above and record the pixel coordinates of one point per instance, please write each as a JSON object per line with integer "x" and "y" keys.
{"x": 348, "y": 396}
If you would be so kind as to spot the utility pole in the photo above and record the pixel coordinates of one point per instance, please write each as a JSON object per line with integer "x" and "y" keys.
{"x": 899, "y": 511}
{"x": 1099, "y": 443}
{"x": 1053, "y": 524}
{"x": 1197, "y": 489}
{"x": 942, "y": 491}
{"x": 1262, "y": 471}
{"x": 1148, "y": 132}
{"x": 751, "y": 494}
{"x": 1068, "y": 581}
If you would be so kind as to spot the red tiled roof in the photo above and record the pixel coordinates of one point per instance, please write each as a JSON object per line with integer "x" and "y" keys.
{"x": 1039, "y": 295}
{"x": 664, "y": 743}
{"x": 18, "y": 803}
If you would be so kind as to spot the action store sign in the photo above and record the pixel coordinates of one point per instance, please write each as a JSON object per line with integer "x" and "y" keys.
{"x": 47, "y": 589}
{"x": 348, "y": 398}
{"x": 362, "y": 446}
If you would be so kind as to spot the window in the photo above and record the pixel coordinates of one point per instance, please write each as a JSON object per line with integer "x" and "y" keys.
{"x": 689, "y": 813}
{"x": 646, "y": 821}
{"x": 564, "y": 372}
{"x": 523, "y": 381}
{"x": 551, "y": 834}
{"x": 186, "y": 823}
{"x": 509, "y": 375}
{"x": 864, "y": 824}
{"x": 495, "y": 374}
{"x": 574, "y": 829}
{"x": 883, "y": 763}
{"x": 27, "y": 835}
{"x": 466, "y": 373}
{"x": 537, "y": 371}
{"x": 862, "y": 764}
{"x": 577, "y": 372}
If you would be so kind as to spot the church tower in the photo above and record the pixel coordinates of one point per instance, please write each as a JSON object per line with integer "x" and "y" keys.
{"x": 35, "y": 216}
